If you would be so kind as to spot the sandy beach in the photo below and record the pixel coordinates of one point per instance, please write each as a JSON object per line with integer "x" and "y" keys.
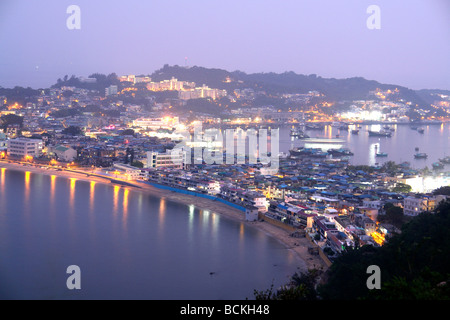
{"x": 299, "y": 246}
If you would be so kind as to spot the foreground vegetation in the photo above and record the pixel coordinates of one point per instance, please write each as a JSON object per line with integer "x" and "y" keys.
{"x": 414, "y": 265}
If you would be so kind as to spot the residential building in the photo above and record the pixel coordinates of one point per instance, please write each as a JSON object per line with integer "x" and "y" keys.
{"x": 63, "y": 153}
{"x": 111, "y": 90}
{"x": 23, "y": 148}
{"x": 414, "y": 205}
{"x": 173, "y": 160}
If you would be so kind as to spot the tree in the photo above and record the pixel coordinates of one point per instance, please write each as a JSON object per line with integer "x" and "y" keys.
{"x": 137, "y": 164}
{"x": 414, "y": 264}
{"x": 402, "y": 188}
{"x": 67, "y": 93}
{"x": 73, "y": 131}
{"x": 127, "y": 132}
{"x": 395, "y": 215}
{"x": 11, "y": 119}
{"x": 442, "y": 191}
{"x": 300, "y": 287}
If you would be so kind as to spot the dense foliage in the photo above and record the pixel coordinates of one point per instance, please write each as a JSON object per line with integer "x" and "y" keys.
{"x": 414, "y": 265}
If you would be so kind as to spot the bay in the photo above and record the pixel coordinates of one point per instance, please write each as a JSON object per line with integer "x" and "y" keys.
{"x": 128, "y": 245}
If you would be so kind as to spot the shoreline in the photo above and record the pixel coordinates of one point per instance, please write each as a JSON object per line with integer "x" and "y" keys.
{"x": 299, "y": 246}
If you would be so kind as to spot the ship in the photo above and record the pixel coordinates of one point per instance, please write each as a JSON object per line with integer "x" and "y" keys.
{"x": 445, "y": 160}
{"x": 340, "y": 152}
{"x": 298, "y": 134}
{"x": 308, "y": 152}
{"x": 381, "y": 154}
{"x": 381, "y": 133}
{"x": 314, "y": 127}
{"x": 437, "y": 165}
{"x": 420, "y": 156}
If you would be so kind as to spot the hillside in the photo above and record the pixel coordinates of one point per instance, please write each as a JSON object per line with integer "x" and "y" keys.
{"x": 289, "y": 82}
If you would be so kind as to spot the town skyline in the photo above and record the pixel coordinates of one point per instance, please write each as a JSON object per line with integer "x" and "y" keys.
{"x": 331, "y": 40}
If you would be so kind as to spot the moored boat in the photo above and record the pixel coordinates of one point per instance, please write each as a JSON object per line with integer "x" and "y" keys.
{"x": 340, "y": 152}
{"x": 437, "y": 165}
{"x": 381, "y": 154}
{"x": 420, "y": 156}
{"x": 445, "y": 160}
{"x": 381, "y": 133}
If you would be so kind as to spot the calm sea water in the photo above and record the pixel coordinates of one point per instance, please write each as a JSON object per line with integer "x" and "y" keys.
{"x": 401, "y": 147}
{"x": 128, "y": 245}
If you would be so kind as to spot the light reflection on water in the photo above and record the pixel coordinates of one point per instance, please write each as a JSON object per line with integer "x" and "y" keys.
{"x": 129, "y": 245}
{"x": 400, "y": 147}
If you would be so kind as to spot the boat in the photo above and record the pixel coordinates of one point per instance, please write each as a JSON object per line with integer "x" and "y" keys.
{"x": 308, "y": 152}
{"x": 437, "y": 165}
{"x": 356, "y": 131}
{"x": 420, "y": 130}
{"x": 420, "y": 156}
{"x": 340, "y": 152}
{"x": 445, "y": 160}
{"x": 380, "y": 133}
{"x": 381, "y": 154}
{"x": 298, "y": 134}
{"x": 296, "y": 152}
{"x": 314, "y": 127}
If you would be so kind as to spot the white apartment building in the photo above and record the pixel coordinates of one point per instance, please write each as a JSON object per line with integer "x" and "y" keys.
{"x": 412, "y": 206}
{"x": 172, "y": 84}
{"x": 166, "y": 160}
{"x": 111, "y": 90}
{"x": 23, "y": 147}
{"x": 202, "y": 92}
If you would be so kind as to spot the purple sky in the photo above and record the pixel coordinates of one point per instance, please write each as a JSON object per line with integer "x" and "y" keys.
{"x": 325, "y": 37}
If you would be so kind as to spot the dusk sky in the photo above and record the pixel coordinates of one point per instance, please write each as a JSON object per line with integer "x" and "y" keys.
{"x": 327, "y": 37}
